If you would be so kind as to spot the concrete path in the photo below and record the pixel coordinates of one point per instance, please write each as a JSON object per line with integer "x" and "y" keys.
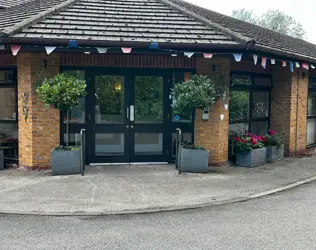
{"x": 138, "y": 189}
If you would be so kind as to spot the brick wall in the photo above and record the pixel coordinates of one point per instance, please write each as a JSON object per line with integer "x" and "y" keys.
{"x": 7, "y": 60}
{"x": 247, "y": 65}
{"x": 289, "y": 107}
{"x": 213, "y": 134}
{"x": 40, "y": 133}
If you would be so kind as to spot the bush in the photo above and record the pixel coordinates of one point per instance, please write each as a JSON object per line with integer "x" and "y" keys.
{"x": 247, "y": 142}
{"x": 273, "y": 139}
{"x": 199, "y": 92}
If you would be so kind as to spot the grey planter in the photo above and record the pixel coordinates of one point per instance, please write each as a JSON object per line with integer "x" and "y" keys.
{"x": 194, "y": 160}
{"x": 254, "y": 158}
{"x": 1, "y": 160}
{"x": 65, "y": 162}
{"x": 275, "y": 153}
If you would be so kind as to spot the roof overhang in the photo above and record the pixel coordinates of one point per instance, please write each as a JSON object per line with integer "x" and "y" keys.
{"x": 214, "y": 48}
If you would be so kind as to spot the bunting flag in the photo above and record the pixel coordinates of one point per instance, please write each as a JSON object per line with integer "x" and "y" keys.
{"x": 102, "y": 50}
{"x": 15, "y": 49}
{"x": 305, "y": 66}
{"x": 126, "y": 50}
{"x": 283, "y": 63}
{"x": 154, "y": 45}
{"x": 297, "y": 65}
{"x": 312, "y": 66}
{"x": 255, "y": 59}
{"x": 237, "y": 57}
{"x": 2, "y": 47}
{"x": 291, "y": 66}
{"x": 272, "y": 61}
{"x": 72, "y": 44}
{"x": 207, "y": 55}
{"x": 189, "y": 54}
{"x": 49, "y": 49}
{"x": 264, "y": 62}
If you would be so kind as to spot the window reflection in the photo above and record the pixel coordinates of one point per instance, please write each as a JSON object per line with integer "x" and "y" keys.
{"x": 239, "y": 105}
{"x": 77, "y": 114}
{"x": 148, "y": 99}
{"x": 109, "y": 96}
{"x": 178, "y": 78}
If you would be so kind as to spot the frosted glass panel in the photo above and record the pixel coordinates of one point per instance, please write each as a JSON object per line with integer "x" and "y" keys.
{"x": 109, "y": 144}
{"x": 148, "y": 144}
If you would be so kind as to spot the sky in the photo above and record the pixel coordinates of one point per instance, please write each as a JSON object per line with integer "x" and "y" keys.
{"x": 303, "y": 11}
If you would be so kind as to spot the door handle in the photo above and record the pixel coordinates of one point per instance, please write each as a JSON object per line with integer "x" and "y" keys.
{"x": 127, "y": 112}
{"x": 131, "y": 117}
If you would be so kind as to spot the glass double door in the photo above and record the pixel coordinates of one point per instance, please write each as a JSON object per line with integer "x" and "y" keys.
{"x": 128, "y": 122}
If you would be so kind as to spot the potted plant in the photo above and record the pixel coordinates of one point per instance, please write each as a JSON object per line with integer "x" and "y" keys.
{"x": 63, "y": 92}
{"x": 275, "y": 147}
{"x": 200, "y": 92}
{"x": 250, "y": 150}
{"x": 194, "y": 158}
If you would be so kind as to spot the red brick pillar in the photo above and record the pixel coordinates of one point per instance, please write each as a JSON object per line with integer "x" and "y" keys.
{"x": 39, "y": 132}
{"x": 289, "y": 107}
{"x": 213, "y": 133}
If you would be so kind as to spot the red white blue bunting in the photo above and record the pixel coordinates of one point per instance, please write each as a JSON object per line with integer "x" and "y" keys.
{"x": 207, "y": 55}
{"x": 15, "y": 49}
{"x": 155, "y": 46}
{"x": 49, "y": 49}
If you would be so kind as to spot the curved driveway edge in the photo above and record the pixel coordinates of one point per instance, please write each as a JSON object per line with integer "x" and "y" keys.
{"x": 119, "y": 190}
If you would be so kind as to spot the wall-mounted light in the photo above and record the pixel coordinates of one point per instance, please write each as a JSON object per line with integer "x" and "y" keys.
{"x": 222, "y": 117}
{"x": 226, "y": 106}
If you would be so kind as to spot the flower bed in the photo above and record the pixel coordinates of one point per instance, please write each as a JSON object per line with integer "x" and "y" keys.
{"x": 275, "y": 147}
{"x": 250, "y": 150}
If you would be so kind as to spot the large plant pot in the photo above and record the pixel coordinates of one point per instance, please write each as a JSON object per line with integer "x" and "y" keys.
{"x": 254, "y": 158}
{"x": 65, "y": 162}
{"x": 194, "y": 160}
{"x": 275, "y": 153}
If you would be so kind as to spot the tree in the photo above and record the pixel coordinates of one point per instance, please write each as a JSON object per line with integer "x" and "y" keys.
{"x": 62, "y": 92}
{"x": 274, "y": 20}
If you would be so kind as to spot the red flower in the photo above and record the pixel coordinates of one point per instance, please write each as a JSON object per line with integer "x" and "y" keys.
{"x": 254, "y": 141}
{"x": 244, "y": 141}
{"x": 237, "y": 139}
{"x": 271, "y": 132}
{"x": 264, "y": 139}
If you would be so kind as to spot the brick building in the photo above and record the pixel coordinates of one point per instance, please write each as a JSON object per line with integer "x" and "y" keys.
{"x": 122, "y": 85}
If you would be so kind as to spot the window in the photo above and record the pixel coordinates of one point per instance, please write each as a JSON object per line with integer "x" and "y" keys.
{"x": 8, "y": 104}
{"x": 311, "y": 113}
{"x": 249, "y": 108}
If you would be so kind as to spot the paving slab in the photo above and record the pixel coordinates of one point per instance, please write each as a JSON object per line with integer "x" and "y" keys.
{"x": 144, "y": 188}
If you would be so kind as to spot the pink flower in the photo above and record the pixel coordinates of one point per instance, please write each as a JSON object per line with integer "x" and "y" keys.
{"x": 272, "y": 132}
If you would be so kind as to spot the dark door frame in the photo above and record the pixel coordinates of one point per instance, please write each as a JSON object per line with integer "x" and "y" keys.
{"x": 168, "y": 126}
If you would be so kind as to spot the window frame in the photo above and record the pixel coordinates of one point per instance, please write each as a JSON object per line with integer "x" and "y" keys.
{"x": 310, "y": 117}
{"x": 12, "y": 85}
{"x": 251, "y": 89}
